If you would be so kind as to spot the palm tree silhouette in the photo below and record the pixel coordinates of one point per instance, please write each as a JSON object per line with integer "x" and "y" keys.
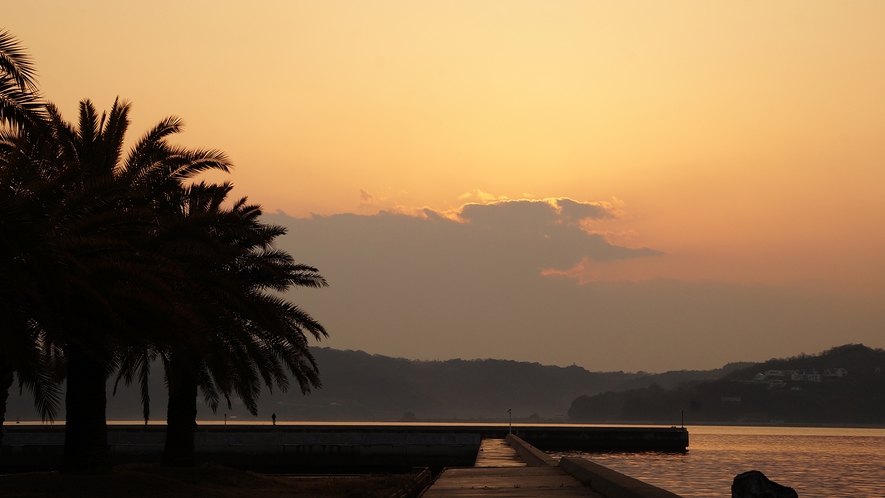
{"x": 111, "y": 261}
{"x": 244, "y": 335}
{"x": 98, "y": 290}
{"x": 24, "y": 349}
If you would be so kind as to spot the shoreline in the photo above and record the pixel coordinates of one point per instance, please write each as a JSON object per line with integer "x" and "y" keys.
{"x": 460, "y": 423}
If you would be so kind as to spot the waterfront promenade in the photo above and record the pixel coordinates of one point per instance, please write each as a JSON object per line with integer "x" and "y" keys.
{"x": 331, "y": 448}
{"x": 469, "y": 459}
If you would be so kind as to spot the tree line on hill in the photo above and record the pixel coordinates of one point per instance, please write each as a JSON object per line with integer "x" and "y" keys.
{"x": 358, "y": 386}
{"x": 744, "y": 396}
{"x": 113, "y": 262}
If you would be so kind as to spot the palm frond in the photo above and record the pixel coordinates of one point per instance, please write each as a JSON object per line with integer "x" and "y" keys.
{"x": 16, "y": 63}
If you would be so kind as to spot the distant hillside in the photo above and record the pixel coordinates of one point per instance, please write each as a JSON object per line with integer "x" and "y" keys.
{"x": 362, "y": 387}
{"x": 673, "y": 378}
{"x": 802, "y": 389}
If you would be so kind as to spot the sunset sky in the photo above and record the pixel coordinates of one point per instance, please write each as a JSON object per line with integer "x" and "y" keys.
{"x": 663, "y": 184}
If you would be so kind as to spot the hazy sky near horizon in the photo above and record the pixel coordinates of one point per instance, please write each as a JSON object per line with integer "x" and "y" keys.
{"x": 683, "y": 175}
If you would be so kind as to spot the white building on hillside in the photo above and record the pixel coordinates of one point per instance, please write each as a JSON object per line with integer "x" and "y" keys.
{"x": 835, "y": 372}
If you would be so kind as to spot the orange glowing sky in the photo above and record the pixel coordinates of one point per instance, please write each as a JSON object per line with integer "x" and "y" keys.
{"x": 745, "y": 140}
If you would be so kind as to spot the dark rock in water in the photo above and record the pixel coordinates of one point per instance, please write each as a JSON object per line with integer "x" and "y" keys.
{"x": 754, "y": 484}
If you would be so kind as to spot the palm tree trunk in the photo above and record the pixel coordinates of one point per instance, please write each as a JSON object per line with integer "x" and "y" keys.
{"x": 6, "y": 378}
{"x": 181, "y": 414}
{"x": 86, "y": 430}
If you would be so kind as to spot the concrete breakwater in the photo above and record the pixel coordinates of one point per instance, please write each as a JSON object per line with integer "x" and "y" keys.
{"x": 603, "y": 481}
{"x": 331, "y": 448}
{"x": 605, "y": 438}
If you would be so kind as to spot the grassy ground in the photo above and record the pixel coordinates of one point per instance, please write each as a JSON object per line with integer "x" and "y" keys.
{"x": 149, "y": 481}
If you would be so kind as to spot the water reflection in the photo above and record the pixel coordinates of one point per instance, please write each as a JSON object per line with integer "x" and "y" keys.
{"x": 815, "y": 462}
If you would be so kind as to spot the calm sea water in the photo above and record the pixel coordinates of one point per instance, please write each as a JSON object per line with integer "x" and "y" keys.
{"x": 816, "y": 462}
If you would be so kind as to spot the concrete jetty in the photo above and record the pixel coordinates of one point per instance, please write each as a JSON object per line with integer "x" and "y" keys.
{"x": 537, "y": 482}
{"x": 514, "y": 468}
{"x": 500, "y": 471}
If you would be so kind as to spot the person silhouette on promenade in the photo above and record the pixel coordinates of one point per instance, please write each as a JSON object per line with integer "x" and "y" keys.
{"x": 273, "y": 417}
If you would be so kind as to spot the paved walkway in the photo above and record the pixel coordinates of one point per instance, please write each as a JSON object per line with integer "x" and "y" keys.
{"x": 497, "y": 453}
{"x": 499, "y": 472}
